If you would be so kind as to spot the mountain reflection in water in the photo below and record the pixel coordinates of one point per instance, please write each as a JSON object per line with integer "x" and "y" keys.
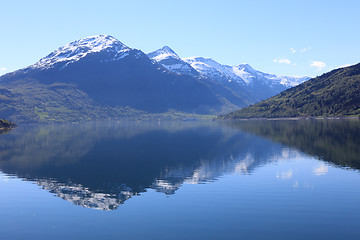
{"x": 101, "y": 166}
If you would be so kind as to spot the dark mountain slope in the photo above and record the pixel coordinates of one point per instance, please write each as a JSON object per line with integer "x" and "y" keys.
{"x": 99, "y": 77}
{"x": 336, "y": 93}
{"x": 133, "y": 81}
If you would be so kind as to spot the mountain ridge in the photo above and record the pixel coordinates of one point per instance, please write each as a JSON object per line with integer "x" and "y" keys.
{"x": 238, "y": 78}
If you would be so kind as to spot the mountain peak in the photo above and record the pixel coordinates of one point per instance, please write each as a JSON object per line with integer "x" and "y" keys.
{"x": 171, "y": 61}
{"x": 167, "y": 49}
{"x": 98, "y": 40}
{"x": 163, "y": 53}
{"x": 78, "y": 49}
{"x": 244, "y": 66}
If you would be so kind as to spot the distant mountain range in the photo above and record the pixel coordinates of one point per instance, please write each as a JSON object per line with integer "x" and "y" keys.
{"x": 99, "y": 77}
{"x": 238, "y": 78}
{"x": 336, "y": 93}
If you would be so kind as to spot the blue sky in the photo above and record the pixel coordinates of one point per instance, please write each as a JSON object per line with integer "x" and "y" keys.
{"x": 281, "y": 37}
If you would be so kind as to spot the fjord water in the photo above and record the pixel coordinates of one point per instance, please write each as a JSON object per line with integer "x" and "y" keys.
{"x": 181, "y": 180}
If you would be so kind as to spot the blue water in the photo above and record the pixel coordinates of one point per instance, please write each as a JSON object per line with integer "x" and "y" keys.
{"x": 173, "y": 180}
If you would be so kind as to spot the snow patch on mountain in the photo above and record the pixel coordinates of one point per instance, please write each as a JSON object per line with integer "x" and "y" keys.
{"x": 162, "y": 54}
{"x": 212, "y": 69}
{"x": 77, "y": 50}
{"x": 290, "y": 81}
{"x": 171, "y": 61}
{"x": 243, "y": 74}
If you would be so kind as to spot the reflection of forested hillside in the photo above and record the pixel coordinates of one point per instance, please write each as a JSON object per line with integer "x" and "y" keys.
{"x": 335, "y": 141}
{"x": 101, "y": 166}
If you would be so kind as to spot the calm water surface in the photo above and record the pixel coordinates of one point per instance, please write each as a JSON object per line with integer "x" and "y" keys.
{"x": 181, "y": 180}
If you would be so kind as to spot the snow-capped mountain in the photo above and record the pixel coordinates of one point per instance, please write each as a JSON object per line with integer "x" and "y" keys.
{"x": 163, "y": 53}
{"x": 213, "y": 70}
{"x": 292, "y": 81}
{"x": 94, "y": 77}
{"x": 79, "y": 49}
{"x": 171, "y": 61}
{"x": 250, "y": 75}
{"x": 243, "y": 73}
{"x": 238, "y": 78}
